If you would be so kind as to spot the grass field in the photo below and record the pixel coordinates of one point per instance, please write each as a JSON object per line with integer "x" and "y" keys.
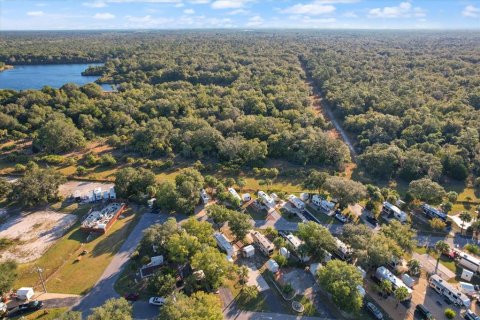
{"x": 64, "y": 273}
{"x": 44, "y": 314}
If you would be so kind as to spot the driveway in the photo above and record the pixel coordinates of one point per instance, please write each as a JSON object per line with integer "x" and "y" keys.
{"x": 103, "y": 289}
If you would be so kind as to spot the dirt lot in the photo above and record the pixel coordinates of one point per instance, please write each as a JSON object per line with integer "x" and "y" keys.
{"x": 33, "y": 233}
{"x": 83, "y": 187}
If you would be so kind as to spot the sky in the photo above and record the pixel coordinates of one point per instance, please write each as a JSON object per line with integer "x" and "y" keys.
{"x": 240, "y": 14}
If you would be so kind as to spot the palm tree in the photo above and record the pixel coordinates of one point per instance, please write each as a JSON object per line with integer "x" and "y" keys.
{"x": 465, "y": 217}
{"x": 441, "y": 247}
{"x": 401, "y": 293}
{"x": 242, "y": 275}
{"x": 476, "y": 228}
{"x": 386, "y": 287}
{"x": 414, "y": 266}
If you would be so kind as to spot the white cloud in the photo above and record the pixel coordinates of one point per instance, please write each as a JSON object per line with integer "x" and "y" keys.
{"x": 238, "y": 11}
{"x": 350, "y": 14}
{"x": 471, "y": 12}
{"x": 35, "y": 13}
{"x": 180, "y": 5}
{"x": 312, "y": 8}
{"x": 228, "y": 4}
{"x": 144, "y": 1}
{"x": 254, "y": 21}
{"x": 403, "y": 10}
{"x": 199, "y": 1}
{"x": 103, "y": 16}
{"x": 95, "y": 4}
{"x": 189, "y": 11}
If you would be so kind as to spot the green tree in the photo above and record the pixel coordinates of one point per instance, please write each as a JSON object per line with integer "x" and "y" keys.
{"x": 166, "y": 196}
{"x": 317, "y": 239}
{"x": 112, "y": 309}
{"x": 465, "y": 216}
{"x": 5, "y": 188}
{"x": 441, "y": 247}
{"x": 401, "y": 293}
{"x": 402, "y": 234}
{"x": 58, "y": 136}
{"x": 437, "y": 224}
{"x": 414, "y": 267}
{"x": 199, "y": 306}
{"x": 426, "y": 190}
{"x": 132, "y": 183}
{"x": 8, "y": 275}
{"x": 182, "y": 246}
{"x": 200, "y": 229}
{"x": 188, "y": 185}
{"x": 346, "y": 191}
{"x": 449, "y": 313}
{"x": 386, "y": 287}
{"x": 161, "y": 284}
{"x": 37, "y": 186}
{"x": 315, "y": 180}
{"x": 239, "y": 224}
{"x": 341, "y": 280}
{"x": 214, "y": 265}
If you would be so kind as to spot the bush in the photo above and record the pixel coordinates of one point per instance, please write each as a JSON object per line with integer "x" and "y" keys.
{"x": 20, "y": 167}
{"x": 90, "y": 160}
{"x": 281, "y": 260}
{"x": 81, "y": 171}
{"x": 472, "y": 248}
{"x": 449, "y": 313}
{"x": 53, "y": 159}
{"x": 108, "y": 160}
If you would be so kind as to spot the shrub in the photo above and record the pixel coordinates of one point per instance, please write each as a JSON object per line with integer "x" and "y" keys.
{"x": 472, "y": 248}
{"x": 108, "y": 160}
{"x": 90, "y": 160}
{"x": 20, "y": 167}
{"x": 449, "y": 313}
{"x": 53, "y": 159}
{"x": 281, "y": 260}
{"x": 81, "y": 171}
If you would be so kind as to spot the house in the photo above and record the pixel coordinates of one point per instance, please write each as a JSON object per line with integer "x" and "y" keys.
{"x": 265, "y": 245}
{"x": 204, "y": 196}
{"x": 383, "y": 273}
{"x": 248, "y": 251}
{"x": 234, "y": 193}
{"x": 323, "y": 204}
{"x": 389, "y": 210}
{"x": 446, "y": 290}
{"x": 299, "y": 204}
{"x": 432, "y": 212}
{"x": 25, "y": 293}
{"x": 266, "y": 199}
{"x": 246, "y": 197}
{"x": 224, "y": 244}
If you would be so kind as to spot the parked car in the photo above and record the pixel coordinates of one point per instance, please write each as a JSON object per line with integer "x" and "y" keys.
{"x": 424, "y": 312}
{"x": 374, "y": 311}
{"x": 341, "y": 217}
{"x": 470, "y": 315}
{"x": 26, "y": 307}
{"x": 156, "y": 301}
{"x": 372, "y": 220}
{"x": 132, "y": 296}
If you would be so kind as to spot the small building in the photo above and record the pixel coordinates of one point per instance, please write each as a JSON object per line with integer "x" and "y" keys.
{"x": 299, "y": 204}
{"x": 149, "y": 269}
{"x": 284, "y": 252}
{"x": 390, "y": 210}
{"x": 25, "y": 293}
{"x": 266, "y": 199}
{"x": 204, "y": 196}
{"x": 272, "y": 265}
{"x": 248, "y": 251}
{"x": 246, "y": 197}
{"x": 265, "y": 245}
{"x": 101, "y": 221}
{"x": 467, "y": 275}
{"x": 234, "y": 193}
{"x": 224, "y": 244}
{"x": 304, "y": 196}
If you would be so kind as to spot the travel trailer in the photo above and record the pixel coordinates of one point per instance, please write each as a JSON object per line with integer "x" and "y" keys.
{"x": 265, "y": 245}
{"x": 447, "y": 290}
{"x": 432, "y": 212}
{"x": 389, "y": 209}
{"x": 383, "y": 273}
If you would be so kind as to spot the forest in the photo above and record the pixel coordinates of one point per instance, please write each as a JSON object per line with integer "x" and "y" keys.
{"x": 411, "y": 102}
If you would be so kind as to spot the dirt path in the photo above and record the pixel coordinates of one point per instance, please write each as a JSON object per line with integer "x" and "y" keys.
{"x": 321, "y": 107}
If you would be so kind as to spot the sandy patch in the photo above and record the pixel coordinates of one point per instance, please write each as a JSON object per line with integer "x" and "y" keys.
{"x": 83, "y": 187}
{"x": 33, "y": 233}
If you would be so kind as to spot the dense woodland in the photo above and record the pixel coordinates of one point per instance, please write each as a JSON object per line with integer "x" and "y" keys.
{"x": 411, "y": 101}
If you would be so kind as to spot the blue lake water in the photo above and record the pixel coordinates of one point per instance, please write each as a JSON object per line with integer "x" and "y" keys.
{"x": 24, "y": 77}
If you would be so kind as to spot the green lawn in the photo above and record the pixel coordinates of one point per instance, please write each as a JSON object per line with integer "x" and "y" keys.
{"x": 257, "y": 304}
{"x": 65, "y": 273}
{"x": 44, "y": 314}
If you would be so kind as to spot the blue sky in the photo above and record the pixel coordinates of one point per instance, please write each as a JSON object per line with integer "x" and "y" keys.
{"x": 188, "y": 14}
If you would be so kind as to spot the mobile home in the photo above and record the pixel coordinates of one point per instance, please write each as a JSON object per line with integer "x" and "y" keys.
{"x": 389, "y": 209}
{"x": 224, "y": 244}
{"x": 432, "y": 212}
{"x": 342, "y": 250}
{"x": 265, "y": 245}
{"x": 295, "y": 242}
{"x": 468, "y": 261}
{"x": 447, "y": 290}
{"x": 234, "y": 193}
{"x": 266, "y": 199}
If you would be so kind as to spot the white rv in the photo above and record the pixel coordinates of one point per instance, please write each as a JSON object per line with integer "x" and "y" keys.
{"x": 234, "y": 193}
{"x": 204, "y": 196}
{"x": 224, "y": 244}
{"x": 295, "y": 242}
{"x": 325, "y": 205}
{"x": 383, "y": 273}
{"x": 343, "y": 251}
{"x": 447, "y": 290}
{"x": 390, "y": 210}
{"x": 265, "y": 245}
{"x": 266, "y": 199}
{"x": 299, "y": 204}
{"x": 468, "y": 261}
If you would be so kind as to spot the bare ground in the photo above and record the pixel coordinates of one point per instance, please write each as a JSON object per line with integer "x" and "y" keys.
{"x": 33, "y": 233}
{"x": 83, "y": 187}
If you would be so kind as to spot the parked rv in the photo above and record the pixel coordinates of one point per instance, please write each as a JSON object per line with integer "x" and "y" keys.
{"x": 390, "y": 210}
{"x": 383, "y": 273}
{"x": 446, "y": 290}
{"x": 432, "y": 212}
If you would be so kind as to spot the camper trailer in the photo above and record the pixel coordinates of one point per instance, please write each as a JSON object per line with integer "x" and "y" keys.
{"x": 383, "y": 273}
{"x": 389, "y": 209}
{"x": 234, "y": 193}
{"x": 266, "y": 199}
{"x": 342, "y": 250}
{"x": 204, "y": 196}
{"x": 224, "y": 244}
{"x": 448, "y": 291}
{"x": 468, "y": 261}
{"x": 295, "y": 242}
{"x": 299, "y": 204}
{"x": 432, "y": 212}
{"x": 265, "y": 245}
{"x": 324, "y": 205}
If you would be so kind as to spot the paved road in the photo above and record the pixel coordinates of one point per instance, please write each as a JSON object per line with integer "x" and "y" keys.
{"x": 103, "y": 289}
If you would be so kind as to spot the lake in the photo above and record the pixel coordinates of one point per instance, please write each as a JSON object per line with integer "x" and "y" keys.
{"x": 24, "y": 77}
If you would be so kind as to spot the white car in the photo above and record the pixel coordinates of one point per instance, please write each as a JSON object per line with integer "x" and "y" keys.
{"x": 341, "y": 217}
{"x": 156, "y": 301}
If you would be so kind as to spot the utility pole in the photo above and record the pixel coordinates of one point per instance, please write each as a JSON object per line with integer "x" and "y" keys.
{"x": 39, "y": 270}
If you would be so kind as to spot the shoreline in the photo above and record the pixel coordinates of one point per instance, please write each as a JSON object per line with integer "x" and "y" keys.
{"x": 6, "y": 67}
